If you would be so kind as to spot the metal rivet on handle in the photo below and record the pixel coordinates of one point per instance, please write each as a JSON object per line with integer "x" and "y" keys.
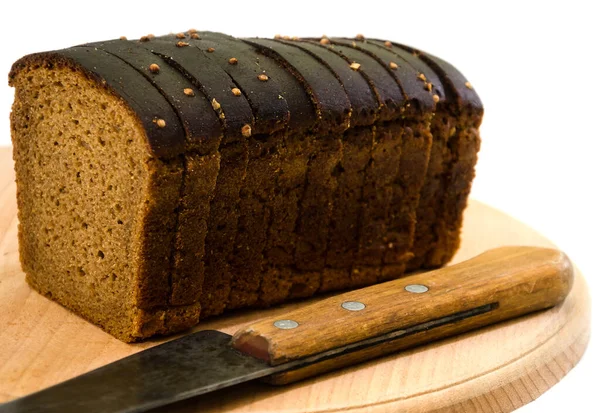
{"x": 416, "y": 288}
{"x": 353, "y": 305}
{"x": 286, "y": 324}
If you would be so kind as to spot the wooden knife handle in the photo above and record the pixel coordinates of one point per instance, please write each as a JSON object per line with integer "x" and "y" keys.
{"x": 507, "y": 281}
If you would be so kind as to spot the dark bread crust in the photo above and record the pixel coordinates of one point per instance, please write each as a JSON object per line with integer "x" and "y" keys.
{"x": 403, "y": 219}
{"x": 345, "y": 224}
{"x": 281, "y": 158}
{"x": 417, "y": 64}
{"x": 199, "y": 185}
{"x": 428, "y": 198}
{"x": 453, "y": 80}
{"x": 163, "y": 321}
{"x": 349, "y": 171}
{"x": 202, "y": 126}
{"x": 378, "y": 193}
{"x": 406, "y": 76}
{"x": 157, "y": 234}
{"x": 214, "y": 82}
{"x": 279, "y": 275}
{"x": 357, "y": 145}
{"x": 247, "y": 263}
{"x": 223, "y": 226}
{"x": 330, "y": 100}
{"x": 391, "y": 98}
{"x": 270, "y": 112}
{"x": 462, "y": 172}
{"x": 278, "y": 175}
{"x": 302, "y": 113}
{"x": 124, "y": 82}
{"x": 400, "y": 222}
{"x": 363, "y": 102}
{"x": 334, "y": 111}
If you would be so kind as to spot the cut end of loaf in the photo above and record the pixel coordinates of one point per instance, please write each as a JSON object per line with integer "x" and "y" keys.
{"x": 76, "y": 144}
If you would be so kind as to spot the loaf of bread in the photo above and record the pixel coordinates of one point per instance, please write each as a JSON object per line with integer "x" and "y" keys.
{"x": 168, "y": 179}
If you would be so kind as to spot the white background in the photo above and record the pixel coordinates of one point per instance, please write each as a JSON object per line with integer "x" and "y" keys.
{"x": 535, "y": 66}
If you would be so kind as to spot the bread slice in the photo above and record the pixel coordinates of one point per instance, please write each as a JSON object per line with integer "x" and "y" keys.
{"x": 271, "y": 116}
{"x": 97, "y": 186}
{"x": 393, "y": 176}
{"x": 236, "y": 115}
{"x": 315, "y": 205}
{"x": 457, "y": 133}
{"x": 357, "y": 144}
{"x": 201, "y": 164}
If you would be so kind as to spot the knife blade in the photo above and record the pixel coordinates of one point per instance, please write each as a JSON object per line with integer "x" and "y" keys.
{"x": 333, "y": 333}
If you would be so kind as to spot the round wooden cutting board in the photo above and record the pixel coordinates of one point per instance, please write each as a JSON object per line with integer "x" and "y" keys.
{"x": 497, "y": 369}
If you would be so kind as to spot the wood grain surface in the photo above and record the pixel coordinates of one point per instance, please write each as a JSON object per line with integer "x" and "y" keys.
{"x": 496, "y": 369}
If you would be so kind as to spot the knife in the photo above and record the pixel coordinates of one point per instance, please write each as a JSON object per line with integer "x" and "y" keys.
{"x": 335, "y": 332}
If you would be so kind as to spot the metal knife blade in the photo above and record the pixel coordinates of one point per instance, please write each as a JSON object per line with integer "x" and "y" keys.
{"x": 194, "y": 364}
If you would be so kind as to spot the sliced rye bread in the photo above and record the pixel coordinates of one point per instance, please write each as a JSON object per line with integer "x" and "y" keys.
{"x": 376, "y": 173}
{"x": 412, "y": 161}
{"x": 237, "y": 117}
{"x": 202, "y": 162}
{"x": 290, "y": 167}
{"x": 289, "y": 152}
{"x": 315, "y": 208}
{"x": 271, "y": 112}
{"x": 357, "y": 143}
{"x": 441, "y": 125}
{"x": 376, "y": 190}
{"x": 464, "y": 144}
{"x": 439, "y": 235}
{"x": 126, "y": 297}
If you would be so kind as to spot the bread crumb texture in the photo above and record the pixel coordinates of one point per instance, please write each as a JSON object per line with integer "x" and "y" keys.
{"x": 81, "y": 166}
